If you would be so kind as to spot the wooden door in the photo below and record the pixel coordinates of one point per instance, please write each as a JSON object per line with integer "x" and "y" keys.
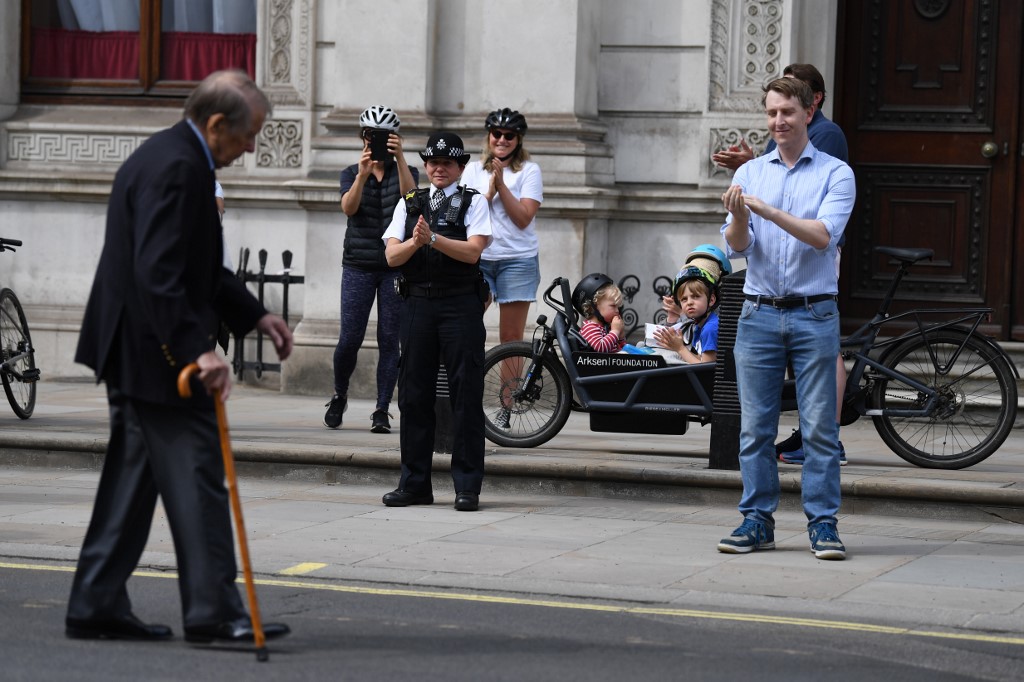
{"x": 928, "y": 94}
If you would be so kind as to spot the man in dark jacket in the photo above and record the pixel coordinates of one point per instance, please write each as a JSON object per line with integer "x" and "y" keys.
{"x": 159, "y": 294}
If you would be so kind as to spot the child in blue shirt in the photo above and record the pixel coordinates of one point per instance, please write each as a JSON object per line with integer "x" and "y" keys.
{"x": 693, "y": 334}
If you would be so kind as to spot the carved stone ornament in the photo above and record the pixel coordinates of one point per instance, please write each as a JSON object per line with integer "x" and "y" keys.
{"x": 72, "y": 148}
{"x": 287, "y": 73}
{"x": 280, "y": 144}
{"x": 745, "y": 52}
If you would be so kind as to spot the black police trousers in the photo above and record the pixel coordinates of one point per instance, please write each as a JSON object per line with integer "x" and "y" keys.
{"x": 450, "y": 329}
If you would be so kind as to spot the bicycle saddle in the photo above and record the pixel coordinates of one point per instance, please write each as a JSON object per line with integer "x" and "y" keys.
{"x": 906, "y": 255}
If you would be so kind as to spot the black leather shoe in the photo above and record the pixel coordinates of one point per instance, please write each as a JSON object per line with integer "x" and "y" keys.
{"x": 467, "y": 502}
{"x": 127, "y": 626}
{"x": 238, "y": 630}
{"x": 403, "y": 498}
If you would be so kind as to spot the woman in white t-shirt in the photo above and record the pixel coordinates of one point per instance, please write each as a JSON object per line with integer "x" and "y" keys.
{"x": 514, "y": 190}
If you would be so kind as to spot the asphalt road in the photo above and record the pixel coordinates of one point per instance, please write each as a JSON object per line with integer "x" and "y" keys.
{"x": 344, "y": 631}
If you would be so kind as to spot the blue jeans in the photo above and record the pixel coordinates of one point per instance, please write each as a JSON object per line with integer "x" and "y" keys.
{"x": 766, "y": 338}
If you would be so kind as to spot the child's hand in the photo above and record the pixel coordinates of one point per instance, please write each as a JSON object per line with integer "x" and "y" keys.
{"x": 669, "y": 305}
{"x": 670, "y": 338}
{"x": 618, "y": 326}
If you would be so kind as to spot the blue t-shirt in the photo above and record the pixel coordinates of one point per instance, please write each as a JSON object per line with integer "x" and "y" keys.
{"x": 707, "y": 337}
{"x": 706, "y": 333}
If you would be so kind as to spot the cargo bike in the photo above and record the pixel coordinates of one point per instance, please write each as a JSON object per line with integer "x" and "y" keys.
{"x": 941, "y": 394}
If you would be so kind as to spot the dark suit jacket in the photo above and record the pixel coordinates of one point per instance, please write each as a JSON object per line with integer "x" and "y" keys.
{"x": 160, "y": 289}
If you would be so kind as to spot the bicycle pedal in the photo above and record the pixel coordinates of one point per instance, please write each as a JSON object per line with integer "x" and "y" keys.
{"x": 30, "y": 375}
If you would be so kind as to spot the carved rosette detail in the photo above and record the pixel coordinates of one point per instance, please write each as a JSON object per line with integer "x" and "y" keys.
{"x": 762, "y": 33}
{"x": 280, "y": 144}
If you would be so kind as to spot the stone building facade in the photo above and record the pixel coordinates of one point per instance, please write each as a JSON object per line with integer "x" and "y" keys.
{"x": 625, "y": 103}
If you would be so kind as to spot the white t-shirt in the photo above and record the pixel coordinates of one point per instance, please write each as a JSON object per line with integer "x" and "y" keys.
{"x": 509, "y": 241}
{"x": 478, "y": 218}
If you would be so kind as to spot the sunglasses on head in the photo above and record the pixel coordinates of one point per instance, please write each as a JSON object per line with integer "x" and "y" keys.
{"x": 497, "y": 135}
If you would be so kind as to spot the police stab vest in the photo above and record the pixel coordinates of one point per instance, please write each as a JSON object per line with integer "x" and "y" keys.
{"x": 428, "y": 265}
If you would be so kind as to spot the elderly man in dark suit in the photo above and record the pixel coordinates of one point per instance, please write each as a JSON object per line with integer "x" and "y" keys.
{"x": 159, "y": 294}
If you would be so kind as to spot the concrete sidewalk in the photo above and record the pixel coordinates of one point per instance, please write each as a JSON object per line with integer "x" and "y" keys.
{"x": 588, "y": 516}
{"x": 282, "y": 436}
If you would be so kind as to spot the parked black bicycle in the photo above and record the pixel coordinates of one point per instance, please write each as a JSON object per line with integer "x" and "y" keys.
{"x": 18, "y": 370}
{"x": 941, "y": 393}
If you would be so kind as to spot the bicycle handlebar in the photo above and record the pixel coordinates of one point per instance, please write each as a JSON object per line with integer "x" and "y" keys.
{"x": 9, "y": 244}
{"x": 561, "y": 306}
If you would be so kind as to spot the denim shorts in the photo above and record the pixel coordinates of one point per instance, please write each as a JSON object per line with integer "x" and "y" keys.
{"x": 515, "y": 279}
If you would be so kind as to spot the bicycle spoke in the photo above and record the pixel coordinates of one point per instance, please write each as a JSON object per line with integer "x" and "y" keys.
{"x": 975, "y": 400}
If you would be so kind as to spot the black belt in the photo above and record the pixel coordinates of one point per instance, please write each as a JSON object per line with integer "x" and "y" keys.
{"x": 432, "y": 291}
{"x": 789, "y": 301}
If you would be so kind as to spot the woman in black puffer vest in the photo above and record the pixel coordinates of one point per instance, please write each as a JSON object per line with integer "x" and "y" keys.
{"x": 370, "y": 190}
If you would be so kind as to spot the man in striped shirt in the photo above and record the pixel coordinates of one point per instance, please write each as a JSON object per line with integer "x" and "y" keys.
{"x": 787, "y": 212}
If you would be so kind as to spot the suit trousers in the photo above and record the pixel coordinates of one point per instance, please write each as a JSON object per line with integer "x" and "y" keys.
{"x": 452, "y": 329}
{"x": 172, "y": 452}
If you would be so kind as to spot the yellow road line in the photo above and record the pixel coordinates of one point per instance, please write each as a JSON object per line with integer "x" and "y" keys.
{"x": 756, "y": 618}
{"x": 302, "y": 569}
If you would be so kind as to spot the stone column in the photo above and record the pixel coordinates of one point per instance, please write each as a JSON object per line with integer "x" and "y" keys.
{"x": 10, "y": 45}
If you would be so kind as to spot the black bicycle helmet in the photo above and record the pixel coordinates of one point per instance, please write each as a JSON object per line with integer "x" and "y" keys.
{"x": 506, "y": 119}
{"x": 584, "y": 293}
{"x": 690, "y": 272}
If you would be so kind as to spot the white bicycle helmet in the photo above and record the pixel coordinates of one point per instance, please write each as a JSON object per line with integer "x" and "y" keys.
{"x": 380, "y": 117}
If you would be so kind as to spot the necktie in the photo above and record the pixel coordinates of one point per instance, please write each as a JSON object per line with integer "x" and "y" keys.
{"x": 436, "y": 200}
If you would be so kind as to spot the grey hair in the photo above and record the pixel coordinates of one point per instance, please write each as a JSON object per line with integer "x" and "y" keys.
{"x": 231, "y": 93}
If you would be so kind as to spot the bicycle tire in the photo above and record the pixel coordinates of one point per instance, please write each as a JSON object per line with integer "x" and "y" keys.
{"x": 532, "y": 419}
{"x": 14, "y": 339}
{"x": 977, "y": 408}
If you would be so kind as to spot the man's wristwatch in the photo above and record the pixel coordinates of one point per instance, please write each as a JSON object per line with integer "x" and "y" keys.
{"x": 433, "y": 238}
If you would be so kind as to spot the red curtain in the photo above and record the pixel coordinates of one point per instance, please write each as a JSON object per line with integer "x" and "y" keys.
{"x": 64, "y": 53}
{"x": 114, "y": 55}
{"x": 187, "y": 56}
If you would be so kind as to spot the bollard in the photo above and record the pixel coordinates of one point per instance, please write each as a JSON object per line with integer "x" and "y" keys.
{"x": 444, "y": 428}
{"x": 725, "y": 417}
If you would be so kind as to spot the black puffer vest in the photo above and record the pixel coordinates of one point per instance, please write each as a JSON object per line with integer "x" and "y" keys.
{"x": 428, "y": 265}
{"x": 364, "y": 248}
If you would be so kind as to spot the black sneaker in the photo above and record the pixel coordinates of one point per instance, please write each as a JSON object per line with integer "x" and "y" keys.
{"x": 791, "y": 444}
{"x": 501, "y": 420}
{"x": 379, "y": 422}
{"x": 336, "y": 407}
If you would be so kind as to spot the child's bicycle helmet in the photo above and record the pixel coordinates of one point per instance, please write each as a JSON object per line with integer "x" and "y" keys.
{"x": 691, "y": 272}
{"x": 584, "y": 293}
{"x": 714, "y": 253}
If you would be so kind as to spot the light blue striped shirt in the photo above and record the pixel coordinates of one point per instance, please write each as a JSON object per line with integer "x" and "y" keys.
{"x": 818, "y": 187}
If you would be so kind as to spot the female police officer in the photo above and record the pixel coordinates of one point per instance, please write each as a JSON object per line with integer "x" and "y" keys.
{"x": 435, "y": 238}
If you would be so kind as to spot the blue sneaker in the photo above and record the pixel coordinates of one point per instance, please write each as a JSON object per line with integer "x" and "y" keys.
{"x": 751, "y": 536}
{"x": 825, "y": 542}
{"x": 797, "y": 456}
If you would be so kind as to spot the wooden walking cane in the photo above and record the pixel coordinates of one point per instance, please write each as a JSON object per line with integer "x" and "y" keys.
{"x": 185, "y": 391}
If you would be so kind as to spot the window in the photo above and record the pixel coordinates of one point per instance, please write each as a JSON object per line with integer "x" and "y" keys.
{"x": 133, "y": 47}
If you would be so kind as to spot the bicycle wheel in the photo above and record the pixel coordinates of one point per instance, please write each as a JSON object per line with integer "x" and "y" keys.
{"x": 15, "y": 341}
{"x": 977, "y": 400}
{"x": 521, "y": 418}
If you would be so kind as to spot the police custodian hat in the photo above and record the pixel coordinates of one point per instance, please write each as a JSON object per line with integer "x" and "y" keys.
{"x": 445, "y": 145}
